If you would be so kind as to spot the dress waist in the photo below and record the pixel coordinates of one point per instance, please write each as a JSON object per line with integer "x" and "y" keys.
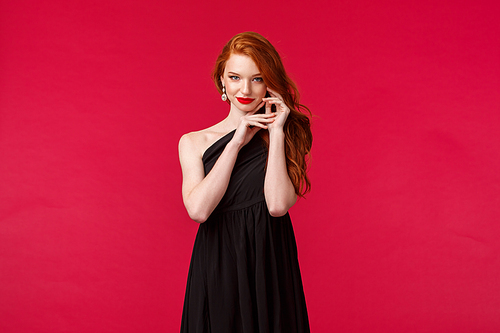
{"x": 239, "y": 206}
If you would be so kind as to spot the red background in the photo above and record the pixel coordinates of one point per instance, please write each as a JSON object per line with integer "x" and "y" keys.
{"x": 400, "y": 233}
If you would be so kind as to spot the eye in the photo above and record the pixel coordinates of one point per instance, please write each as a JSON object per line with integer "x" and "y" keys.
{"x": 258, "y": 79}
{"x": 234, "y": 77}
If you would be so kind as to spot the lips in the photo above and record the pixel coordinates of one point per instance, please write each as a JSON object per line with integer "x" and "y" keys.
{"x": 245, "y": 100}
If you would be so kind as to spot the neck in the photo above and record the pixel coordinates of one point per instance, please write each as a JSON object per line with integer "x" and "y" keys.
{"x": 233, "y": 118}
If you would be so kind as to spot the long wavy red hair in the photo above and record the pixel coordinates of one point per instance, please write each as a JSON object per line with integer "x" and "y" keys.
{"x": 298, "y": 136}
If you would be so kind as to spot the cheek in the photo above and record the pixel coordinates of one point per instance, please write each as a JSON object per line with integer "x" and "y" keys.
{"x": 262, "y": 90}
{"x": 230, "y": 89}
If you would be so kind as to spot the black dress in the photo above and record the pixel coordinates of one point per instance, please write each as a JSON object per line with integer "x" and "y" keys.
{"x": 244, "y": 275}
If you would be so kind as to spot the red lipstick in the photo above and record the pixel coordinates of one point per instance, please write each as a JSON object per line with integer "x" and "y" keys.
{"x": 245, "y": 100}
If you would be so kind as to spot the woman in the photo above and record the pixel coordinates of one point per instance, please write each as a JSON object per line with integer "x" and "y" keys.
{"x": 240, "y": 177}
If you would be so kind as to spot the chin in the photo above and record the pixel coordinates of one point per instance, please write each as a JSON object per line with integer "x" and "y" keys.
{"x": 247, "y": 107}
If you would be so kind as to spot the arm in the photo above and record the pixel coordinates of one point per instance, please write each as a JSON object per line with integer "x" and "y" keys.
{"x": 278, "y": 188}
{"x": 200, "y": 193}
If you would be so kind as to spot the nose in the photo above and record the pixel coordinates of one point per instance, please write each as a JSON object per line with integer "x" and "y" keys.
{"x": 246, "y": 87}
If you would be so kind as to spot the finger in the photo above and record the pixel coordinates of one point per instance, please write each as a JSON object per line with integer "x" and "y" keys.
{"x": 271, "y": 99}
{"x": 274, "y": 101}
{"x": 264, "y": 115}
{"x": 260, "y": 116}
{"x": 268, "y": 108}
{"x": 280, "y": 106}
{"x": 279, "y": 103}
{"x": 264, "y": 120}
{"x": 257, "y": 124}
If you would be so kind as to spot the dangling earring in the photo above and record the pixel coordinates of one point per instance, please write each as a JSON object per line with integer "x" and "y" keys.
{"x": 224, "y": 96}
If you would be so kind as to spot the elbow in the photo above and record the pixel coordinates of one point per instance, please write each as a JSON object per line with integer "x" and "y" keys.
{"x": 279, "y": 206}
{"x": 198, "y": 216}
{"x": 277, "y": 211}
{"x": 195, "y": 211}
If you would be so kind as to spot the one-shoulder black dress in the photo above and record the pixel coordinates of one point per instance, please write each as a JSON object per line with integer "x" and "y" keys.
{"x": 244, "y": 274}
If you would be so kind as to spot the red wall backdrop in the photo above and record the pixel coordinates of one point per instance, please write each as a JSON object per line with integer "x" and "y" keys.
{"x": 400, "y": 233}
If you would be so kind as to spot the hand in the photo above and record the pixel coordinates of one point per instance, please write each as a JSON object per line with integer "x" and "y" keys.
{"x": 282, "y": 110}
{"x": 250, "y": 124}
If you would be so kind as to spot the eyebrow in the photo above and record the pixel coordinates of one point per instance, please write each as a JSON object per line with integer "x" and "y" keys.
{"x": 258, "y": 74}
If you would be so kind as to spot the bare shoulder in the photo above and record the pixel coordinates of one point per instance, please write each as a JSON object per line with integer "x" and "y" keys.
{"x": 190, "y": 143}
{"x": 195, "y": 143}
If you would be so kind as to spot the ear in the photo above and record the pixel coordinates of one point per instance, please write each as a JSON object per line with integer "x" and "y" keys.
{"x": 222, "y": 80}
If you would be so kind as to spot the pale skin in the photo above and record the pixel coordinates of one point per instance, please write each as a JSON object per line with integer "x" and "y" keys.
{"x": 201, "y": 194}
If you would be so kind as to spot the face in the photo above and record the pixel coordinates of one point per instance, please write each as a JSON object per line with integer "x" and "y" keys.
{"x": 245, "y": 87}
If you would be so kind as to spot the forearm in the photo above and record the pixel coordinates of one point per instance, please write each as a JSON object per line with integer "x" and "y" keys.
{"x": 201, "y": 201}
{"x": 278, "y": 188}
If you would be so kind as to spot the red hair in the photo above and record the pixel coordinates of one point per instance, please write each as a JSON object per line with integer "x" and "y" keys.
{"x": 298, "y": 136}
